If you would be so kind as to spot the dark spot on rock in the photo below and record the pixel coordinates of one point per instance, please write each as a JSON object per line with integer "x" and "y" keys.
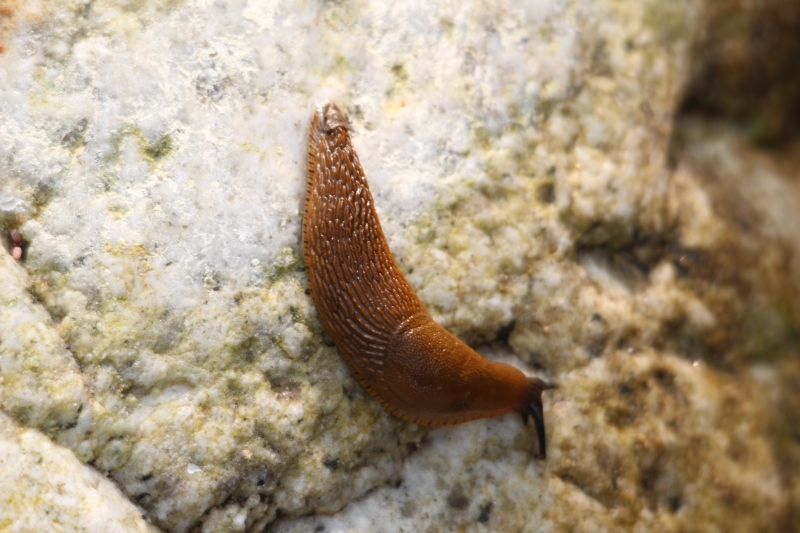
{"x": 675, "y": 503}
{"x": 597, "y": 347}
{"x": 485, "y": 511}
{"x": 74, "y": 138}
{"x": 399, "y": 72}
{"x": 347, "y": 392}
{"x": 664, "y": 377}
{"x": 505, "y": 332}
{"x": 70, "y": 425}
{"x": 457, "y": 500}
{"x": 250, "y": 348}
{"x": 285, "y": 389}
{"x": 331, "y": 464}
{"x": 546, "y": 193}
{"x": 647, "y": 479}
{"x": 159, "y": 148}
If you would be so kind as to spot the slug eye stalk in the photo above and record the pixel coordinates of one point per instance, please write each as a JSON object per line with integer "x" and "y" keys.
{"x": 533, "y": 409}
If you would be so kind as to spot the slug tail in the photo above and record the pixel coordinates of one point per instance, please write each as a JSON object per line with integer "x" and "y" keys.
{"x": 329, "y": 117}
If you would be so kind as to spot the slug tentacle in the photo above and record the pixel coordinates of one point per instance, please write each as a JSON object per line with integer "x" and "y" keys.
{"x": 413, "y": 366}
{"x": 532, "y": 408}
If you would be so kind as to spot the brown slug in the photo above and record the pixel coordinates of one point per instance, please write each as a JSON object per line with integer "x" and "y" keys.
{"x": 419, "y": 371}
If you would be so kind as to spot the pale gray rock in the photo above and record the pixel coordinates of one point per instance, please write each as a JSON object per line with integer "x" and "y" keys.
{"x": 152, "y": 155}
{"x": 46, "y": 488}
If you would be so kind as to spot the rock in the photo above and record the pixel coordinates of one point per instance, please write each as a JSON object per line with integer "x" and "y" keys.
{"x": 745, "y": 67}
{"x": 537, "y": 191}
{"x": 45, "y": 486}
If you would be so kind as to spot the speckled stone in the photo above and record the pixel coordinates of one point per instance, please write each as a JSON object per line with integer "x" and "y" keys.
{"x": 152, "y": 154}
{"x": 46, "y": 488}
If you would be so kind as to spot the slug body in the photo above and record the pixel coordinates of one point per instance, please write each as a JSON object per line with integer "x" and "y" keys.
{"x": 419, "y": 371}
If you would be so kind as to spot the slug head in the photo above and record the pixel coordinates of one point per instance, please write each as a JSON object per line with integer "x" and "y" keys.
{"x": 532, "y": 408}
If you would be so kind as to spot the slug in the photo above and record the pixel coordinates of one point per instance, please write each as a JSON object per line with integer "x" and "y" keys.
{"x": 414, "y": 367}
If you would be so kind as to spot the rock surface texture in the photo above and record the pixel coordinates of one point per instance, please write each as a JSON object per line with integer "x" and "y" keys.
{"x": 163, "y": 369}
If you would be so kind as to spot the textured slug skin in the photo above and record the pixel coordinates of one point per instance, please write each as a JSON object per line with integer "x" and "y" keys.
{"x": 419, "y": 371}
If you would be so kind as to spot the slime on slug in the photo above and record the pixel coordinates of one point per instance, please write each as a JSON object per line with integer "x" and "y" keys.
{"x": 419, "y": 371}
